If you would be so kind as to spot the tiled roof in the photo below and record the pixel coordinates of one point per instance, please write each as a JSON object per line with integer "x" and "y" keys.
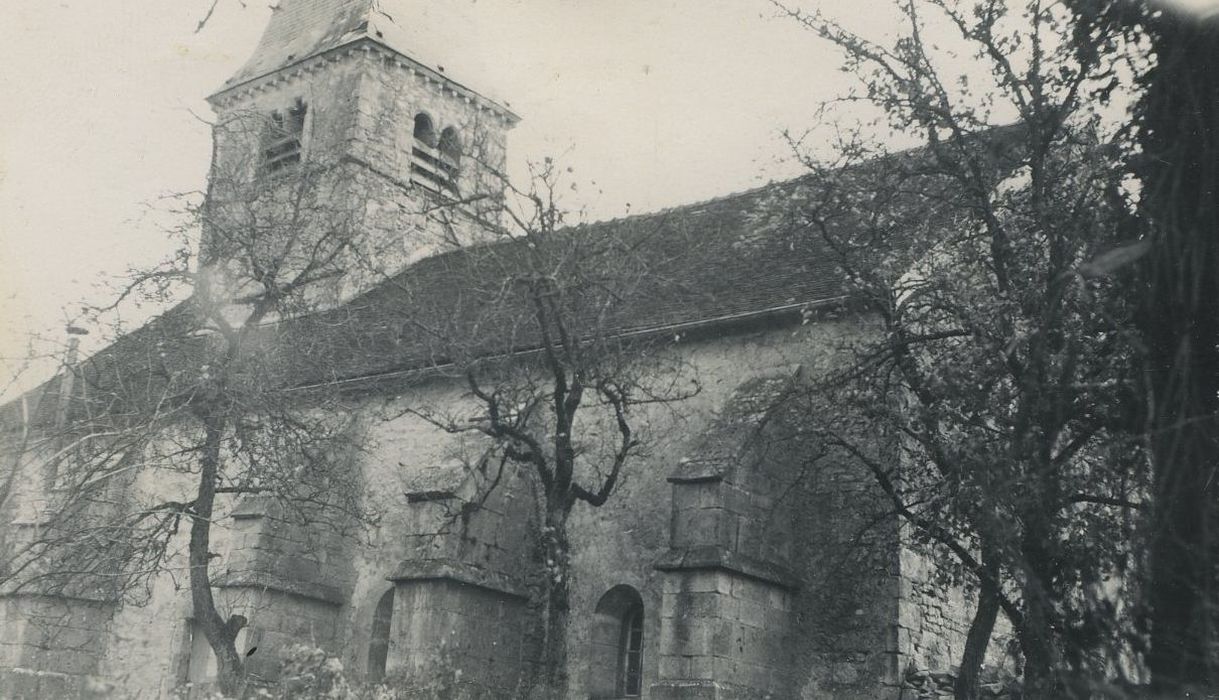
{"x": 707, "y": 262}
{"x": 703, "y": 263}
{"x": 300, "y": 29}
{"x": 704, "y": 266}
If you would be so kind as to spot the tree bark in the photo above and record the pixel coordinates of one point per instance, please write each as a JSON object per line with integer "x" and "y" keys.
{"x": 1039, "y": 679}
{"x": 980, "y": 630}
{"x": 1180, "y": 319}
{"x": 1036, "y": 633}
{"x": 221, "y": 635}
{"x": 556, "y": 605}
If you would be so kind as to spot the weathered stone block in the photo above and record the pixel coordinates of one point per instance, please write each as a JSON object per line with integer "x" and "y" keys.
{"x": 18, "y": 683}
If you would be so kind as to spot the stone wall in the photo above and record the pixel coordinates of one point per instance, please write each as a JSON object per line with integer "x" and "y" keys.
{"x": 458, "y": 640}
{"x": 620, "y": 543}
{"x": 287, "y": 551}
{"x": 723, "y": 635}
{"x": 51, "y": 646}
{"x": 277, "y": 621}
{"x": 849, "y": 576}
{"x": 832, "y": 651}
{"x": 55, "y": 629}
{"x": 934, "y": 617}
{"x": 392, "y": 93}
{"x": 767, "y": 585}
{"x": 355, "y": 174}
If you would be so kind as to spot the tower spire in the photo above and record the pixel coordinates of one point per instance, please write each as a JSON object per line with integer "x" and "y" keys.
{"x": 339, "y": 111}
{"x": 420, "y": 31}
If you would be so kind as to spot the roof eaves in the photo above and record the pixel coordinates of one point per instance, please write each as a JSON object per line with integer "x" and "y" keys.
{"x": 640, "y": 332}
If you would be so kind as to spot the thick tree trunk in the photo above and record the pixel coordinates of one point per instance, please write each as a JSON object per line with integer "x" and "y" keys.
{"x": 1180, "y": 137}
{"x": 556, "y": 607}
{"x": 980, "y": 630}
{"x": 1040, "y": 681}
{"x": 1036, "y": 634}
{"x": 221, "y": 635}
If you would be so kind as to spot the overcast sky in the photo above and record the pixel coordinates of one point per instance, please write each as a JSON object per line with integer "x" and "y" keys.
{"x": 660, "y": 102}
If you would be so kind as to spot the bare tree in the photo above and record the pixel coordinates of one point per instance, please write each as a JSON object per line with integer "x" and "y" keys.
{"x": 1000, "y": 380}
{"x": 196, "y": 396}
{"x": 540, "y": 324}
{"x": 210, "y": 10}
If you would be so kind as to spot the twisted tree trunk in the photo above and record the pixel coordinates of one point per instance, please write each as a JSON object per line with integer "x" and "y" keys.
{"x": 1036, "y": 632}
{"x": 980, "y": 630}
{"x": 556, "y": 610}
{"x": 221, "y": 634}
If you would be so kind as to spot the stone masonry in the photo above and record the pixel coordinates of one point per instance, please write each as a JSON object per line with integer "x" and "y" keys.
{"x": 728, "y": 565}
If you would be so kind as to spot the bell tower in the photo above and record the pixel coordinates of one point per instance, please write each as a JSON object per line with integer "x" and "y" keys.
{"x": 349, "y": 122}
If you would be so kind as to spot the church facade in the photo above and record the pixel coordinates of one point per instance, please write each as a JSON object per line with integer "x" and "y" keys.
{"x": 722, "y": 567}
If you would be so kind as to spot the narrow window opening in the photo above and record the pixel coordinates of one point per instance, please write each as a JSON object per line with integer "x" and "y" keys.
{"x": 616, "y": 645}
{"x": 632, "y": 653}
{"x": 378, "y": 643}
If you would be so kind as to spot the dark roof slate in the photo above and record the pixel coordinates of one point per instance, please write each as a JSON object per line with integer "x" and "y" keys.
{"x": 702, "y": 263}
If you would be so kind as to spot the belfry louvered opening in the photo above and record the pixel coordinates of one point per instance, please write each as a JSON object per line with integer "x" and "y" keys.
{"x": 435, "y": 160}
{"x": 283, "y": 138}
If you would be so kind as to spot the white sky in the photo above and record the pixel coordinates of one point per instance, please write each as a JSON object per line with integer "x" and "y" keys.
{"x": 660, "y": 102}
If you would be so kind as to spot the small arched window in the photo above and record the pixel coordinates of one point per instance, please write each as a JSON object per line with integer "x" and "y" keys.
{"x": 618, "y": 645}
{"x": 424, "y": 131}
{"x": 378, "y": 642}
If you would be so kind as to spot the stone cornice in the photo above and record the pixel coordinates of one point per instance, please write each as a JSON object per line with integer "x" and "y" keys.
{"x": 263, "y": 580}
{"x": 699, "y": 471}
{"x": 720, "y": 558}
{"x": 459, "y": 572}
{"x": 361, "y": 46}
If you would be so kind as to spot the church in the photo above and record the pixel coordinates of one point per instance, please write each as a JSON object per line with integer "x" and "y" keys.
{"x": 720, "y": 567}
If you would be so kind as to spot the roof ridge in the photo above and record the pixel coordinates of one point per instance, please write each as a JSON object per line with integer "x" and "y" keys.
{"x": 677, "y": 208}
{"x": 573, "y": 228}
